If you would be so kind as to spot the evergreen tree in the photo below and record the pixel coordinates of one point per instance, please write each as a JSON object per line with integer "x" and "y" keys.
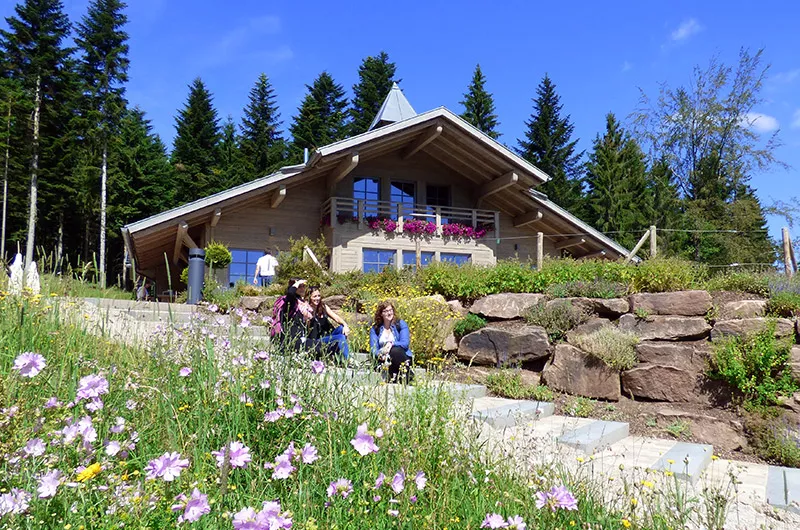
{"x": 195, "y": 152}
{"x": 479, "y": 105}
{"x": 104, "y": 69}
{"x": 231, "y": 163}
{"x": 375, "y": 78}
{"x": 617, "y": 198}
{"x": 11, "y": 95}
{"x": 548, "y": 144}
{"x": 263, "y": 147}
{"x": 34, "y": 55}
{"x": 320, "y": 119}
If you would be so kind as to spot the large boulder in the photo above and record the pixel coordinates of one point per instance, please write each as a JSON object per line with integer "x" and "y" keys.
{"x": 683, "y": 303}
{"x": 604, "y": 307}
{"x": 724, "y": 435}
{"x": 692, "y": 355}
{"x": 663, "y": 383}
{"x": 743, "y": 309}
{"x": 504, "y": 346}
{"x": 794, "y": 362}
{"x": 747, "y": 326}
{"x": 576, "y": 372}
{"x": 665, "y": 327}
{"x": 590, "y": 326}
{"x": 505, "y": 306}
{"x": 252, "y": 303}
{"x": 457, "y": 308}
{"x": 335, "y": 302}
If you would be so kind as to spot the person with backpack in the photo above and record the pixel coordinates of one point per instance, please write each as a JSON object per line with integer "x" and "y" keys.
{"x": 390, "y": 342}
{"x": 290, "y": 314}
{"x": 334, "y": 340}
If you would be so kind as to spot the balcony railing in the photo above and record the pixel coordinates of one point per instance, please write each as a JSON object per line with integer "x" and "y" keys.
{"x": 338, "y": 211}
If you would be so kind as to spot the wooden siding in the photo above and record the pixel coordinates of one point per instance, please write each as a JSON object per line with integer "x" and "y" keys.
{"x": 524, "y": 238}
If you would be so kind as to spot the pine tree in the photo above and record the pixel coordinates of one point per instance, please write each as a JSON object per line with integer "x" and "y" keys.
{"x": 11, "y": 95}
{"x": 262, "y": 145}
{"x": 320, "y": 119}
{"x": 34, "y": 55}
{"x": 617, "y": 198}
{"x": 231, "y": 163}
{"x": 479, "y": 105}
{"x": 549, "y": 146}
{"x": 104, "y": 69}
{"x": 195, "y": 152}
{"x": 375, "y": 78}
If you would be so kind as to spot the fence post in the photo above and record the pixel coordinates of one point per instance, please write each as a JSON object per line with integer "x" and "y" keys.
{"x": 787, "y": 252}
{"x": 653, "y": 242}
{"x": 638, "y": 245}
{"x": 539, "y": 250}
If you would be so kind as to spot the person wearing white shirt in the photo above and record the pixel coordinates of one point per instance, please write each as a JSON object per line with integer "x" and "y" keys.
{"x": 265, "y": 269}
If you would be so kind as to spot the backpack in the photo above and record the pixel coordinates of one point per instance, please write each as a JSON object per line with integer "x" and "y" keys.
{"x": 277, "y": 315}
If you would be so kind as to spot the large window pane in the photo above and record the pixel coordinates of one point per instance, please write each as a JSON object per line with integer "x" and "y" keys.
{"x": 437, "y": 196}
{"x": 243, "y": 266}
{"x": 410, "y": 258}
{"x": 458, "y": 259}
{"x": 375, "y": 260}
{"x": 368, "y": 190}
{"x": 404, "y": 194}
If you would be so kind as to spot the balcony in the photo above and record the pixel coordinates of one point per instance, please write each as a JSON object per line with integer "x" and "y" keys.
{"x": 411, "y": 219}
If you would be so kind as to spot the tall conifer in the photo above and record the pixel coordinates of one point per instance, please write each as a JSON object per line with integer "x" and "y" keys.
{"x": 231, "y": 162}
{"x": 375, "y": 78}
{"x": 320, "y": 119}
{"x": 262, "y": 145}
{"x": 195, "y": 153}
{"x": 549, "y": 145}
{"x": 479, "y": 105}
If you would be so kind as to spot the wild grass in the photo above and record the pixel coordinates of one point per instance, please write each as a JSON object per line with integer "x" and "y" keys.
{"x": 611, "y": 345}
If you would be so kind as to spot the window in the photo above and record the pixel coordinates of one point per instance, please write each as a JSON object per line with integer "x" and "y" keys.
{"x": 437, "y": 196}
{"x": 410, "y": 258}
{"x": 458, "y": 259}
{"x": 375, "y": 260}
{"x": 367, "y": 189}
{"x": 243, "y": 266}
{"x": 402, "y": 193}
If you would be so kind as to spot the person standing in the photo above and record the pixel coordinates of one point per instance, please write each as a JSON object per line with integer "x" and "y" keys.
{"x": 265, "y": 269}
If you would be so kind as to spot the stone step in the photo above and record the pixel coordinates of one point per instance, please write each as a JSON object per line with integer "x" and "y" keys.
{"x": 596, "y": 435}
{"x": 783, "y": 488}
{"x": 110, "y": 303}
{"x": 686, "y": 460}
{"x": 500, "y": 412}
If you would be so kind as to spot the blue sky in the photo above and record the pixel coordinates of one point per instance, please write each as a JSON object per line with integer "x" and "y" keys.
{"x": 599, "y": 54}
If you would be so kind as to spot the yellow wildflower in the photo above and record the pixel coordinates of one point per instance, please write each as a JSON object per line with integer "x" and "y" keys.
{"x": 90, "y": 472}
{"x": 626, "y": 523}
{"x": 634, "y": 502}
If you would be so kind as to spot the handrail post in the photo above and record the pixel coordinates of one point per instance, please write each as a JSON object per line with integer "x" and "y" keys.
{"x": 360, "y": 208}
{"x": 497, "y": 227}
{"x": 399, "y": 210}
{"x": 439, "y": 220}
{"x": 474, "y": 218}
{"x": 334, "y": 212}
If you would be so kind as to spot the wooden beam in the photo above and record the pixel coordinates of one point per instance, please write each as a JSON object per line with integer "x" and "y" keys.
{"x": 527, "y": 218}
{"x": 278, "y": 196}
{"x": 571, "y": 242}
{"x": 500, "y": 183}
{"x": 427, "y": 137}
{"x": 599, "y": 254}
{"x": 342, "y": 170}
{"x": 189, "y": 242}
{"x": 183, "y": 230}
{"x": 215, "y": 217}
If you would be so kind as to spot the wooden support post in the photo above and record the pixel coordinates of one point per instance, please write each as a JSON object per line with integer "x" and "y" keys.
{"x": 334, "y": 213}
{"x": 418, "y": 249}
{"x": 653, "y": 242}
{"x": 278, "y": 196}
{"x": 787, "y": 253}
{"x": 360, "y": 213}
{"x": 639, "y": 245}
{"x": 399, "y": 209}
{"x": 439, "y": 220}
{"x": 527, "y": 218}
{"x": 539, "y": 250}
{"x": 497, "y": 227}
{"x": 474, "y": 219}
{"x": 424, "y": 139}
{"x": 183, "y": 229}
{"x": 571, "y": 242}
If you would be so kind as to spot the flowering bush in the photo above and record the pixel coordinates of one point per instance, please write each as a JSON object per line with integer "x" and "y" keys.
{"x": 460, "y": 231}
{"x": 381, "y": 223}
{"x": 418, "y": 227}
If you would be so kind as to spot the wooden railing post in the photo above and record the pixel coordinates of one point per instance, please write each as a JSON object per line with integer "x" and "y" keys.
{"x": 497, "y": 227}
{"x": 334, "y": 212}
{"x": 439, "y": 220}
{"x": 539, "y": 250}
{"x": 787, "y": 252}
{"x": 653, "y": 242}
{"x": 399, "y": 210}
{"x": 474, "y": 218}
{"x": 360, "y": 208}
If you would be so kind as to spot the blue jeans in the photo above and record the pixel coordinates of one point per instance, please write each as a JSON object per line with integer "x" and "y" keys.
{"x": 337, "y": 336}
{"x": 266, "y": 280}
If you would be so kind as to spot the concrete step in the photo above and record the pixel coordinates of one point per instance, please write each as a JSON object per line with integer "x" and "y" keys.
{"x": 686, "y": 460}
{"x": 595, "y": 435}
{"x": 501, "y": 412}
{"x": 110, "y": 303}
{"x": 783, "y": 488}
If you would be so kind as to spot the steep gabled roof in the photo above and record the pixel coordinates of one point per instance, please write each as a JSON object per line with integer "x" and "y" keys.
{"x": 395, "y": 108}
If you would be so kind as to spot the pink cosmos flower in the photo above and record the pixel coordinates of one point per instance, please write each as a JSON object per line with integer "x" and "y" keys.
{"x": 283, "y": 468}
{"x": 87, "y": 430}
{"x": 317, "y": 367}
{"x": 52, "y": 403}
{"x": 16, "y": 501}
{"x": 238, "y": 455}
{"x": 557, "y": 497}
{"x": 119, "y": 425}
{"x": 94, "y": 405}
{"x": 34, "y": 447}
{"x": 273, "y": 416}
{"x": 167, "y": 467}
{"x": 420, "y": 480}
{"x": 261, "y": 356}
{"x": 399, "y": 481}
{"x": 517, "y": 523}
{"x": 309, "y": 454}
{"x": 341, "y": 487}
{"x": 92, "y": 386}
{"x": 185, "y": 371}
{"x": 113, "y": 448}
{"x": 48, "y": 484}
{"x": 193, "y": 507}
{"x": 363, "y": 442}
{"x": 494, "y": 520}
{"x": 379, "y": 482}
{"x": 246, "y": 519}
{"x": 29, "y": 364}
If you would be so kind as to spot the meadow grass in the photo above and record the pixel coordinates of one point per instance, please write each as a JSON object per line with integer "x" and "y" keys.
{"x": 196, "y": 389}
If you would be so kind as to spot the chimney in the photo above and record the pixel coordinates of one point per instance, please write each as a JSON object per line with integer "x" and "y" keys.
{"x": 305, "y": 155}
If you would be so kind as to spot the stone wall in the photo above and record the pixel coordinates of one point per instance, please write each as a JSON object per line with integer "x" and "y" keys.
{"x": 676, "y": 332}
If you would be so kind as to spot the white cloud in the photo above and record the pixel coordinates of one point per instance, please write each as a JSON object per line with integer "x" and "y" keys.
{"x": 784, "y": 78}
{"x": 627, "y": 66}
{"x": 761, "y": 123}
{"x": 243, "y": 39}
{"x": 796, "y": 119}
{"x": 687, "y": 28}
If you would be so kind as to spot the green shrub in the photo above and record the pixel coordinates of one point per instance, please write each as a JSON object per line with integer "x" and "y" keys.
{"x": 579, "y": 407}
{"x": 784, "y": 304}
{"x": 756, "y": 366}
{"x": 508, "y": 383}
{"x": 470, "y": 323}
{"x": 593, "y": 289}
{"x": 556, "y": 319}
{"x": 776, "y": 440}
{"x": 669, "y": 274}
{"x": 185, "y": 276}
{"x": 462, "y": 282}
{"x": 509, "y": 276}
{"x": 291, "y": 264}
{"x": 217, "y": 255}
{"x": 611, "y": 345}
{"x": 746, "y": 282}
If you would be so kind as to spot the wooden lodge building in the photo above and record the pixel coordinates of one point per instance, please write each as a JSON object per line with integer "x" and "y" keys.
{"x": 429, "y": 177}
